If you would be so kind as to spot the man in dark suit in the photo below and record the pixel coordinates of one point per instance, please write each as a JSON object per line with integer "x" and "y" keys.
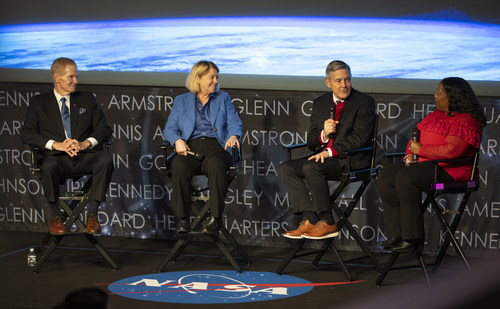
{"x": 341, "y": 120}
{"x": 69, "y": 128}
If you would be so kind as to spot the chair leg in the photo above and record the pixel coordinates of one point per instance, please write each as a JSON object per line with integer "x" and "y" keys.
{"x": 322, "y": 252}
{"x": 40, "y": 247}
{"x": 329, "y": 244}
{"x": 226, "y": 252}
{"x": 340, "y": 262}
{"x": 174, "y": 253}
{"x": 51, "y": 245}
{"x": 200, "y": 208}
{"x": 450, "y": 232}
{"x": 422, "y": 266}
{"x": 444, "y": 248}
{"x": 344, "y": 218}
{"x": 361, "y": 243}
{"x": 236, "y": 246}
{"x": 97, "y": 245}
{"x": 388, "y": 266}
{"x": 290, "y": 256}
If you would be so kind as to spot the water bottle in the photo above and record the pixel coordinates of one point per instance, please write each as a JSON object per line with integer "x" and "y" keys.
{"x": 32, "y": 257}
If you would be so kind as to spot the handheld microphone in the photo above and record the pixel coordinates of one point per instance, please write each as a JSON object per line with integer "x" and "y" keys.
{"x": 415, "y": 136}
{"x": 195, "y": 154}
{"x": 332, "y": 116}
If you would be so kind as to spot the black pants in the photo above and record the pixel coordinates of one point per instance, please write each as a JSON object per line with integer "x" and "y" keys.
{"x": 400, "y": 188}
{"x": 216, "y": 161}
{"x": 98, "y": 164}
{"x": 302, "y": 177}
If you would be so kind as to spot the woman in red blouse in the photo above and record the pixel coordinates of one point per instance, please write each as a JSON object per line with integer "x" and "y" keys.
{"x": 452, "y": 131}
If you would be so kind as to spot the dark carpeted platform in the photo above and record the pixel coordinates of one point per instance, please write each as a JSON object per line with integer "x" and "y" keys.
{"x": 75, "y": 265}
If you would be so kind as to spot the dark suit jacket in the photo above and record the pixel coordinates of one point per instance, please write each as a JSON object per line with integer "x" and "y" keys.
{"x": 43, "y": 121}
{"x": 354, "y": 130}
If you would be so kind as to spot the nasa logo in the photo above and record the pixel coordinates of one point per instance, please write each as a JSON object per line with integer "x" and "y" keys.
{"x": 210, "y": 287}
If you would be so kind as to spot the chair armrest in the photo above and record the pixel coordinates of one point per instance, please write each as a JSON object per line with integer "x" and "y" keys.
{"x": 34, "y": 166}
{"x": 357, "y": 150}
{"x": 106, "y": 146}
{"x": 394, "y": 154}
{"x": 165, "y": 147}
{"x": 349, "y": 152}
{"x": 354, "y": 151}
{"x": 233, "y": 169}
{"x": 169, "y": 153}
{"x": 455, "y": 160}
{"x": 401, "y": 154}
{"x": 236, "y": 153}
{"x": 289, "y": 149}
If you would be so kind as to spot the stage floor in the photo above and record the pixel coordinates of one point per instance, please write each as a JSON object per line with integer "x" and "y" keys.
{"x": 74, "y": 265}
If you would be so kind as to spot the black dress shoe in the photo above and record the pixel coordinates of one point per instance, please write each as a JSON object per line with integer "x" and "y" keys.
{"x": 211, "y": 225}
{"x": 389, "y": 243}
{"x": 183, "y": 226}
{"x": 409, "y": 246}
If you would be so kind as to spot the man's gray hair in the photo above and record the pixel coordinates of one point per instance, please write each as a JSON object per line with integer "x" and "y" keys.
{"x": 337, "y": 65}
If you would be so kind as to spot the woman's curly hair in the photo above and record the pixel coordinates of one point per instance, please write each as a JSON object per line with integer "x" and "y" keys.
{"x": 462, "y": 100}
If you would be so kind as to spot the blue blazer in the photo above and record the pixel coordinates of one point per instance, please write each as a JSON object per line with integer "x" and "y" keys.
{"x": 225, "y": 120}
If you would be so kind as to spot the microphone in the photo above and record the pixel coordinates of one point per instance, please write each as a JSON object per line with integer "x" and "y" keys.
{"x": 415, "y": 136}
{"x": 332, "y": 116}
{"x": 195, "y": 154}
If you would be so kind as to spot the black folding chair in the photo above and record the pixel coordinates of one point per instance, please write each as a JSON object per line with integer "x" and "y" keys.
{"x": 363, "y": 177}
{"x": 464, "y": 188}
{"x": 72, "y": 204}
{"x": 201, "y": 211}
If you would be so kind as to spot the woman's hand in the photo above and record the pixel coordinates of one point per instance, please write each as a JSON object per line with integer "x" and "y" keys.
{"x": 415, "y": 147}
{"x": 320, "y": 156}
{"x": 231, "y": 142}
{"x": 408, "y": 159}
{"x": 181, "y": 147}
{"x": 414, "y": 150}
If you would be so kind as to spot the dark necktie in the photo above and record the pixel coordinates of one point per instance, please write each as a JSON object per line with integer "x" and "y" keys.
{"x": 65, "y": 117}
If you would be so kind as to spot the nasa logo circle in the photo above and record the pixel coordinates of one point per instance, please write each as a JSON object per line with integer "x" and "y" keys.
{"x": 210, "y": 287}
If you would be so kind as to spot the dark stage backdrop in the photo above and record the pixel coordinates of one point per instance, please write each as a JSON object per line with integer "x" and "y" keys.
{"x": 258, "y": 211}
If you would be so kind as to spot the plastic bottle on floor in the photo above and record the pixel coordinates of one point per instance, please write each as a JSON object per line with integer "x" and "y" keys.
{"x": 32, "y": 257}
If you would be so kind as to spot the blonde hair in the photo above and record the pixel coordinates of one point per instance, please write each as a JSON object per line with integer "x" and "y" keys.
{"x": 60, "y": 64}
{"x": 199, "y": 69}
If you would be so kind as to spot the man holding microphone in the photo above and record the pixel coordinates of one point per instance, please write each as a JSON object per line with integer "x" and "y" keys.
{"x": 341, "y": 120}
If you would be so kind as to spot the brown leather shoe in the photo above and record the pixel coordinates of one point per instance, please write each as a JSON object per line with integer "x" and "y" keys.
{"x": 57, "y": 226}
{"x": 321, "y": 231}
{"x": 304, "y": 227}
{"x": 93, "y": 226}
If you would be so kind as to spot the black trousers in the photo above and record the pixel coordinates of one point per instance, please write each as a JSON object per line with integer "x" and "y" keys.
{"x": 216, "y": 161}
{"x": 55, "y": 167}
{"x": 400, "y": 188}
{"x": 307, "y": 183}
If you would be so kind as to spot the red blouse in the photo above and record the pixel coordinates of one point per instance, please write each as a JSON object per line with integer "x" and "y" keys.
{"x": 445, "y": 137}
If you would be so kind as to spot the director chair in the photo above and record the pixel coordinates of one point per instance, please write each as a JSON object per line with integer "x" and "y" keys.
{"x": 201, "y": 211}
{"x": 72, "y": 203}
{"x": 464, "y": 188}
{"x": 350, "y": 176}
